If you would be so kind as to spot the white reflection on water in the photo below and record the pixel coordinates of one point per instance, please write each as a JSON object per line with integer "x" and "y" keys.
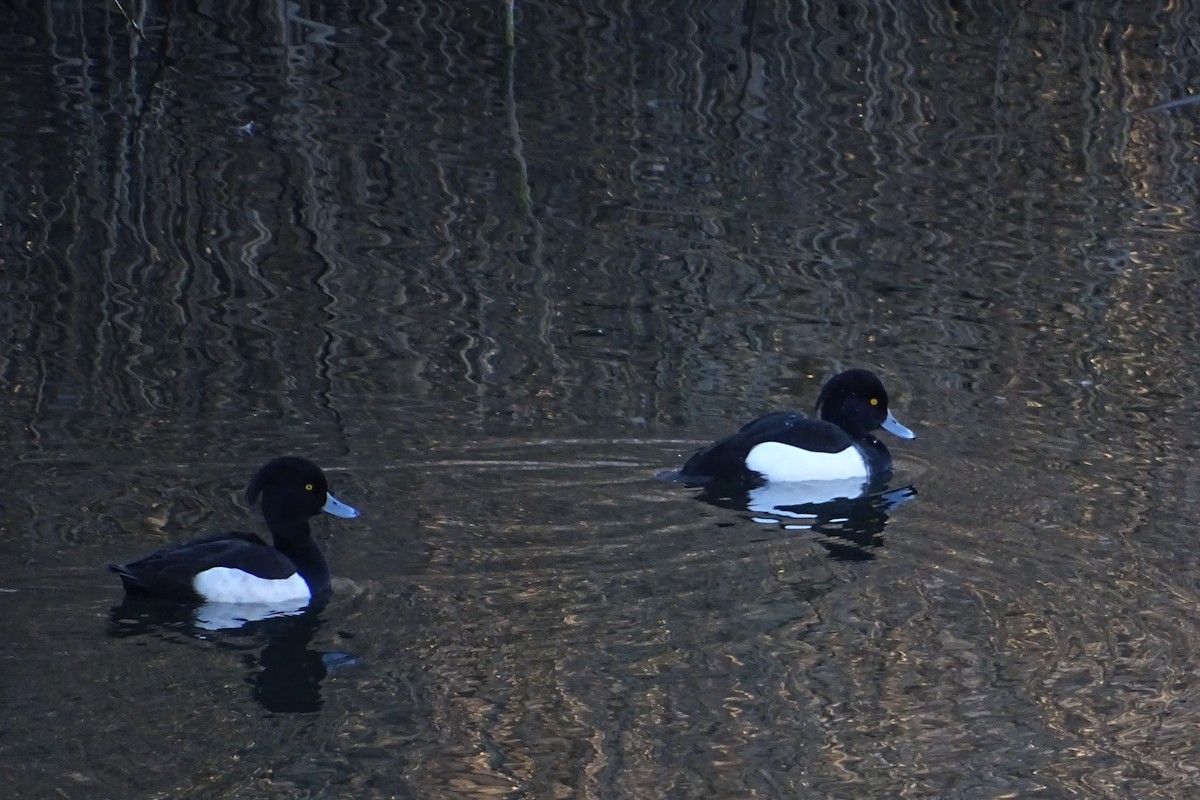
{"x": 781, "y": 498}
{"x": 228, "y": 616}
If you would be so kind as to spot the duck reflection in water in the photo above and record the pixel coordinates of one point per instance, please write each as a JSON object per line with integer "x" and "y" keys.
{"x": 850, "y": 515}
{"x": 285, "y": 675}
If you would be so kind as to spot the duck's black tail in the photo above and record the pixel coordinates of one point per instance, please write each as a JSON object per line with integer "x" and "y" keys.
{"x": 128, "y": 579}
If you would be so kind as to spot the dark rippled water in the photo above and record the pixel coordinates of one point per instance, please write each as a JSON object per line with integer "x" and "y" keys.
{"x": 496, "y": 292}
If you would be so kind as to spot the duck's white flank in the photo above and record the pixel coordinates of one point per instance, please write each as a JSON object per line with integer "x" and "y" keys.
{"x": 229, "y": 585}
{"x": 776, "y": 461}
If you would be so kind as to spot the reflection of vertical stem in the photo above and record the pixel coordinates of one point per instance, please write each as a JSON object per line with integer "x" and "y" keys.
{"x": 138, "y": 28}
{"x": 510, "y": 58}
{"x": 510, "y": 36}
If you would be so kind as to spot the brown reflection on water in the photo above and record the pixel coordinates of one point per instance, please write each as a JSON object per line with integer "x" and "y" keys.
{"x": 497, "y": 292}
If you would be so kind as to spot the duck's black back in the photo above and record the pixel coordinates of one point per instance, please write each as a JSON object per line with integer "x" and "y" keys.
{"x": 726, "y": 458}
{"x": 169, "y": 572}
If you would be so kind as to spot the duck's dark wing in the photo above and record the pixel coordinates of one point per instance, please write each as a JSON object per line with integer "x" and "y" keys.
{"x": 727, "y": 457}
{"x": 168, "y": 572}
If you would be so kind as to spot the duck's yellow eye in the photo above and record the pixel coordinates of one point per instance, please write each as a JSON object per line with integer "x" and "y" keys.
{"x": 308, "y": 487}
{"x": 874, "y": 401}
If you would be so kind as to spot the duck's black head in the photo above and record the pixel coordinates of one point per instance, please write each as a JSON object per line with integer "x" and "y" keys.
{"x": 292, "y": 490}
{"x": 856, "y": 402}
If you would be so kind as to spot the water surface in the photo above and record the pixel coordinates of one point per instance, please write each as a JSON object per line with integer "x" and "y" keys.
{"x": 496, "y": 292}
